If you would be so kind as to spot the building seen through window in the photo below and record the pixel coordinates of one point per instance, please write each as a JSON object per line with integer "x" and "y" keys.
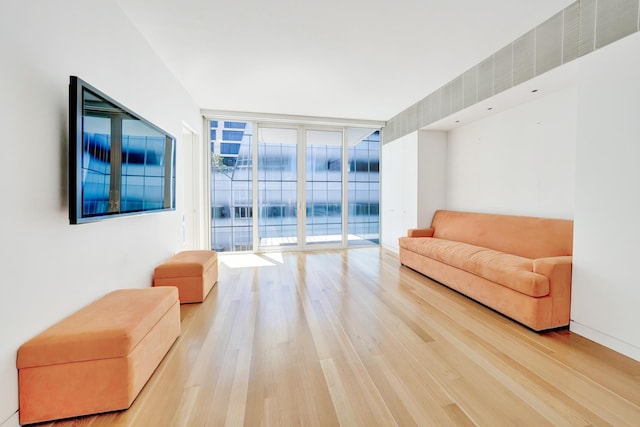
{"x": 278, "y": 175}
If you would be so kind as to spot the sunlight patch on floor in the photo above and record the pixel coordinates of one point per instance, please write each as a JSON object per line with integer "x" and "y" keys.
{"x": 250, "y": 260}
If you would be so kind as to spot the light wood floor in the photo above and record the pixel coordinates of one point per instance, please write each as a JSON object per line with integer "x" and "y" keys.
{"x": 352, "y": 338}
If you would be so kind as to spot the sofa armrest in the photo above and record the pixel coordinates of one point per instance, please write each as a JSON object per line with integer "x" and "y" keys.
{"x": 420, "y": 232}
{"x": 558, "y": 270}
{"x": 553, "y": 266}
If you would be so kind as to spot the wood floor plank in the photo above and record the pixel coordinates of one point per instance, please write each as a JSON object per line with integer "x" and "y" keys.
{"x": 339, "y": 395}
{"x": 352, "y": 338}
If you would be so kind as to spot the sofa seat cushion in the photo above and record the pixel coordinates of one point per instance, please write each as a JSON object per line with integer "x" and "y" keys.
{"x": 508, "y": 270}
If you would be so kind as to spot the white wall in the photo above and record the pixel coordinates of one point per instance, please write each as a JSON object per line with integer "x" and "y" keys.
{"x": 398, "y": 189}
{"x": 520, "y": 161}
{"x": 606, "y": 288}
{"x": 51, "y": 268}
{"x": 412, "y": 183}
{"x": 432, "y": 173}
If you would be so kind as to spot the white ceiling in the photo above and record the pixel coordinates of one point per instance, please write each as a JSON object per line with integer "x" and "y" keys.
{"x": 356, "y": 59}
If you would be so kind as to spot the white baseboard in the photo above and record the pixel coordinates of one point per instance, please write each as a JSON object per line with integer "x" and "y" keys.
{"x": 615, "y": 344}
{"x": 12, "y": 421}
{"x": 393, "y": 249}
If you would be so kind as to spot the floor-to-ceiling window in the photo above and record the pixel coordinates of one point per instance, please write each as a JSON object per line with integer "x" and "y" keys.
{"x": 277, "y": 187}
{"x": 231, "y": 185}
{"x": 286, "y": 186}
{"x": 364, "y": 187}
{"x": 323, "y": 187}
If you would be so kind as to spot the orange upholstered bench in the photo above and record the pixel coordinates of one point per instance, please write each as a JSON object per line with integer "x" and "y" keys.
{"x": 193, "y": 272}
{"x": 99, "y": 358}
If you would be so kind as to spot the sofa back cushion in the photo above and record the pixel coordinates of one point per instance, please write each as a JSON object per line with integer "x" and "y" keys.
{"x": 524, "y": 236}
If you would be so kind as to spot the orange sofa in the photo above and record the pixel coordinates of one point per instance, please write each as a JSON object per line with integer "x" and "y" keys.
{"x": 194, "y": 273}
{"x": 519, "y": 266}
{"x": 99, "y": 358}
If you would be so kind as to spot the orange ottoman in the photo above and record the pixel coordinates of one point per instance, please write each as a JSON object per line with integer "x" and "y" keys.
{"x": 99, "y": 358}
{"x": 193, "y": 272}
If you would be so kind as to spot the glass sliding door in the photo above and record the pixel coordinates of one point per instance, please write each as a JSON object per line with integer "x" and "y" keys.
{"x": 323, "y": 184}
{"x": 277, "y": 159}
{"x": 364, "y": 186}
{"x": 231, "y": 185}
